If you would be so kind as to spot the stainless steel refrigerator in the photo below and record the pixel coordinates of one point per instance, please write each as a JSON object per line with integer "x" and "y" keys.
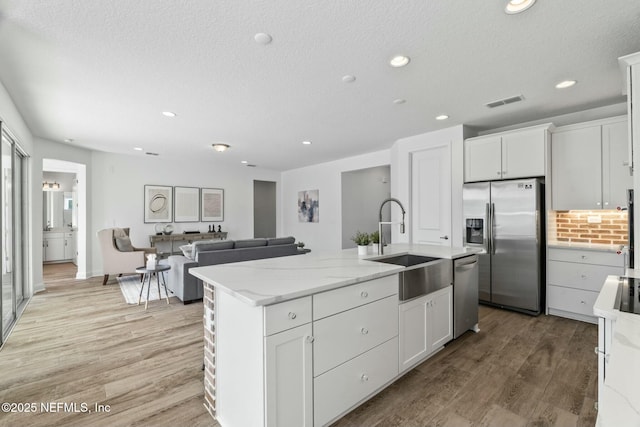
{"x": 506, "y": 219}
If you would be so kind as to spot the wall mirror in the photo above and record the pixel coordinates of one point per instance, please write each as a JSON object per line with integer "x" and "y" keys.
{"x": 57, "y": 209}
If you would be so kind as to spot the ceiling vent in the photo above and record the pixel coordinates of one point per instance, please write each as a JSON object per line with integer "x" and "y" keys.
{"x": 504, "y": 101}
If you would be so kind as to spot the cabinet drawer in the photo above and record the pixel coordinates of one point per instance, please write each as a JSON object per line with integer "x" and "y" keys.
{"x": 343, "y": 387}
{"x": 572, "y": 300}
{"x": 286, "y": 315}
{"x": 581, "y": 276}
{"x": 587, "y": 257}
{"x": 331, "y": 302}
{"x": 345, "y": 335}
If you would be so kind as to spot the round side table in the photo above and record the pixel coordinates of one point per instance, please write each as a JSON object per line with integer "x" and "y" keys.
{"x": 147, "y": 273}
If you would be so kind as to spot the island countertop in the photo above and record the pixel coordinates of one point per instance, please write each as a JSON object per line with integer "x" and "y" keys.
{"x": 273, "y": 280}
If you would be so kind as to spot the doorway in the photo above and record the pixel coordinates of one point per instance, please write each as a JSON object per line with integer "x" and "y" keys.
{"x": 363, "y": 191}
{"x": 63, "y": 220}
{"x": 264, "y": 208}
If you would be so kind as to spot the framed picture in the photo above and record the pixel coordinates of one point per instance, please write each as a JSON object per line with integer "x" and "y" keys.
{"x": 158, "y": 203}
{"x": 186, "y": 206}
{"x": 309, "y": 206}
{"x": 211, "y": 204}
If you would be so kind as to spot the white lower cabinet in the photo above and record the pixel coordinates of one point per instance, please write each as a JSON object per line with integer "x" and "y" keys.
{"x": 425, "y": 325}
{"x": 340, "y": 389}
{"x": 288, "y": 372}
{"x": 574, "y": 280}
{"x": 53, "y": 247}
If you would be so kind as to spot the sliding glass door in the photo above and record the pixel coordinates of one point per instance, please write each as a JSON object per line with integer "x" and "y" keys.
{"x": 12, "y": 235}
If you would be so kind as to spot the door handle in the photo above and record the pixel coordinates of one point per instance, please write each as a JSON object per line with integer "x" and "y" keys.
{"x": 466, "y": 266}
{"x": 487, "y": 225}
{"x": 444, "y": 237}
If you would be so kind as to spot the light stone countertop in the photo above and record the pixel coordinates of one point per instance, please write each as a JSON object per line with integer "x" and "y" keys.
{"x": 620, "y": 399}
{"x": 584, "y": 246}
{"x": 272, "y": 280}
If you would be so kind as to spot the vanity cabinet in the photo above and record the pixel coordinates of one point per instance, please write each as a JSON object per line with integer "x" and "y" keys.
{"x": 425, "y": 324}
{"x": 575, "y": 277}
{"x": 53, "y": 247}
{"x": 507, "y": 155}
{"x": 590, "y": 165}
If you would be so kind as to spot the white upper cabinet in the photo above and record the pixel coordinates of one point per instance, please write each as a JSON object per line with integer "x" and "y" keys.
{"x": 589, "y": 166}
{"x": 482, "y": 158}
{"x": 506, "y": 155}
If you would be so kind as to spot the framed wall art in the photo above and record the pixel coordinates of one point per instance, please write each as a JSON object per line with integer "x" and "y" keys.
{"x": 186, "y": 205}
{"x": 309, "y": 206}
{"x": 158, "y": 203}
{"x": 211, "y": 204}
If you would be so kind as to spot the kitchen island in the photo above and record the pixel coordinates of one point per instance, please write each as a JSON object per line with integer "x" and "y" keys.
{"x": 618, "y": 353}
{"x": 303, "y": 340}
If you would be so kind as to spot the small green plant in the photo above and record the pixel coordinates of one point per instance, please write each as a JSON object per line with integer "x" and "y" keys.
{"x": 375, "y": 237}
{"x": 361, "y": 239}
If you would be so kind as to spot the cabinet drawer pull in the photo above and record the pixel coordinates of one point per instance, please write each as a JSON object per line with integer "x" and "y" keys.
{"x": 292, "y": 315}
{"x": 364, "y": 331}
{"x": 584, "y": 276}
{"x": 364, "y": 294}
{"x": 310, "y": 339}
{"x": 364, "y": 378}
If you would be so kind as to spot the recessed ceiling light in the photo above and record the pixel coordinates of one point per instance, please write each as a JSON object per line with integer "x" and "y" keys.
{"x": 442, "y": 117}
{"x": 348, "y": 79}
{"x": 399, "y": 101}
{"x": 244, "y": 162}
{"x": 168, "y": 114}
{"x": 399, "y": 61}
{"x": 221, "y": 147}
{"x": 565, "y": 84}
{"x": 306, "y": 142}
{"x": 517, "y": 6}
{"x": 263, "y": 38}
{"x": 137, "y": 148}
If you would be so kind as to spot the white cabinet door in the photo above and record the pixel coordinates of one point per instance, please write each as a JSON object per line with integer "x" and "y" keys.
{"x": 523, "y": 154}
{"x": 576, "y": 169}
{"x": 431, "y": 196}
{"x": 482, "y": 159}
{"x": 426, "y": 324}
{"x": 616, "y": 178}
{"x": 53, "y": 248}
{"x": 412, "y": 319}
{"x": 440, "y": 318}
{"x": 69, "y": 246}
{"x": 288, "y": 378}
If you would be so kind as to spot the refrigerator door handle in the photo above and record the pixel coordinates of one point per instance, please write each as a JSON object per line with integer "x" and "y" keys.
{"x": 487, "y": 219}
{"x": 491, "y": 232}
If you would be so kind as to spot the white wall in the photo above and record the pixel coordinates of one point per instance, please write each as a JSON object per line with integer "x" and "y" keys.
{"x": 118, "y": 191}
{"x": 401, "y": 175}
{"x": 324, "y": 235}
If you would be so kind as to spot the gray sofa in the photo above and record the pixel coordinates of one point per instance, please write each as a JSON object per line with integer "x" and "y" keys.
{"x": 202, "y": 253}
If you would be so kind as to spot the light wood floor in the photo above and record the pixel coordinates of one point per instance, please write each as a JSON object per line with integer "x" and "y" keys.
{"x": 79, "y": 342}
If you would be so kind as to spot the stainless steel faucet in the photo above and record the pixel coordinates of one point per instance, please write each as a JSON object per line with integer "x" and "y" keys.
{"x": 381, "y": 223}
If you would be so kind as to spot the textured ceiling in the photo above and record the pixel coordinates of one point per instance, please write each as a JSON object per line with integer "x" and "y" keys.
{"x": 102, "y": 71}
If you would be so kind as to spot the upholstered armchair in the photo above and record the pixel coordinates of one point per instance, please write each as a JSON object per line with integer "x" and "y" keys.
{"x": 118, "y": 255}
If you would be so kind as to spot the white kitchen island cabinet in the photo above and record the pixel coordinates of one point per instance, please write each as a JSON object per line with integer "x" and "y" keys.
{"x": 302, "y": 340}
{"x": 507, "y": 155}
{"x": 590, "y": 165}
{"x": 426, "y": 325}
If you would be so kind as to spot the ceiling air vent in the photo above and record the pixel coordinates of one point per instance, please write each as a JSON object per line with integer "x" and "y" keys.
{"x": 504, "y": 101}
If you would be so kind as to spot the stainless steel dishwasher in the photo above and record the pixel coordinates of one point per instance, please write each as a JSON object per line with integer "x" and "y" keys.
{"x": 465, "y": 295}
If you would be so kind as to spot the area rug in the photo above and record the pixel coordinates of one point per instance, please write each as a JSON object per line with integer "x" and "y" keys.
{"x": 130, "y": 287}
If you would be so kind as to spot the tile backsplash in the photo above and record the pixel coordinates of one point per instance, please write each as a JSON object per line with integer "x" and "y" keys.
{"x": 607, "y": 227}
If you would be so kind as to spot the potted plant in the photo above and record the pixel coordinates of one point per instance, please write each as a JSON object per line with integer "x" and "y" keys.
{"x": 375, "y": 239}
{"x": 362, "y": 240}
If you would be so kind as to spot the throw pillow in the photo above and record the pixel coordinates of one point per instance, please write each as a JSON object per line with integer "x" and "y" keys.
{"x": 187, "y": 251}
{"x": 124, "y": 244}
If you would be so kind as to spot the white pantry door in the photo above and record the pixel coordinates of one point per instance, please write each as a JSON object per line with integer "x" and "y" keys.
{"x": 431, "y": 195}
